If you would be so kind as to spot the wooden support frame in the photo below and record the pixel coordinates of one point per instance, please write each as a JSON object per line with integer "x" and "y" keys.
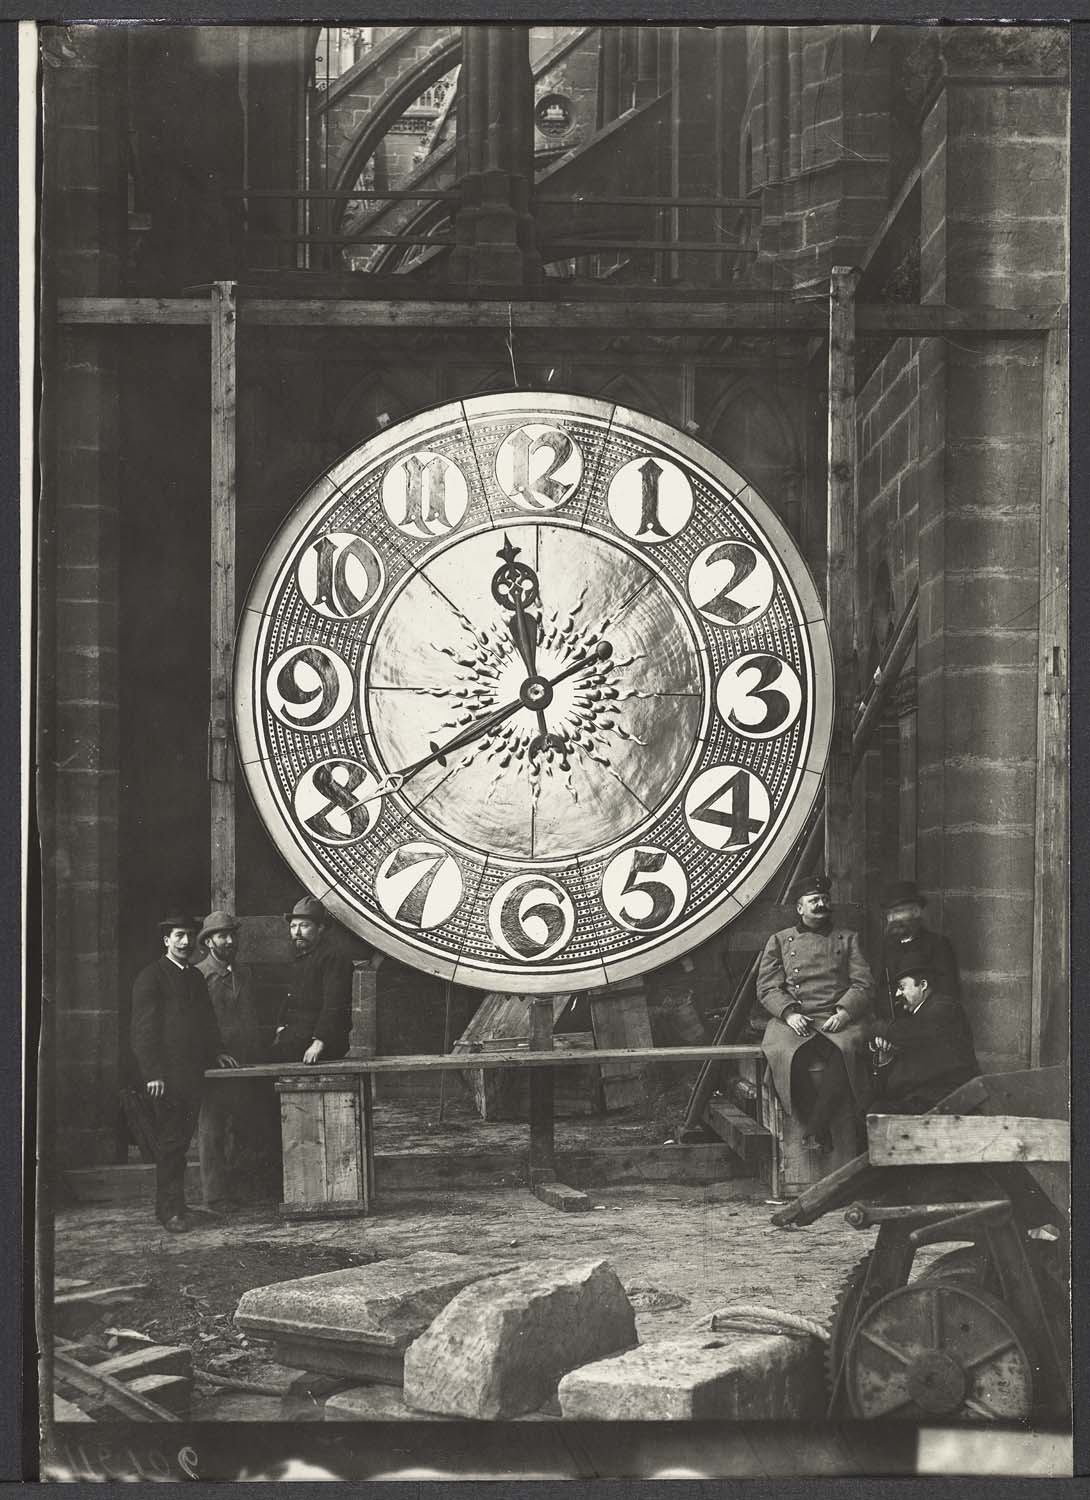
{"x": 840, "y": 580}
{"x": 1051, "y": 974}
{"x": 221, "y": 762}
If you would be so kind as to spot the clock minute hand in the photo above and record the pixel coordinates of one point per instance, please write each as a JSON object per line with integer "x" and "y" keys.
{"x": 535, "y": 695}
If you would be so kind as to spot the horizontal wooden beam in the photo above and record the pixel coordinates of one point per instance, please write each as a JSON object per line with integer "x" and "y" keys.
{"x": 765, "y": 316}
{"x": 939, "y": 1140}
{"x": 428, "y": 1062}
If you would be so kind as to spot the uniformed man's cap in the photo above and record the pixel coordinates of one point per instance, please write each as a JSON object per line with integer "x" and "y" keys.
{"x": 902, "y": 893}
{"x": 810, "y": 885}
{"x": 310, "y": 908}
{"x": 218, "y": 921}
{"x": 918, "y": 970}
{"x": 190, "y": 924}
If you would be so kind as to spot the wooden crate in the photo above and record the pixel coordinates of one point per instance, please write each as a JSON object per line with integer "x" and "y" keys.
{"x": 328, "y": 1147}
{"x": 799, "y": 1167}
{"x": 620, "y": 1019}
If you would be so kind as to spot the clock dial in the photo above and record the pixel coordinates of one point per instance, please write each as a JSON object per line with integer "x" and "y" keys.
{"x": 533, "y": 691}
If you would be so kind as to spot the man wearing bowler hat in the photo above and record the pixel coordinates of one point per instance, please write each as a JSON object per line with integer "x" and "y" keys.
{"x": 174, "y": 1037}
{"x": 316, "y": 1017}
{"x": 907, "y": 940}
{"x": 238, "y": 1117}
{"x": 926, "y": 1050}
{"x": 817, "y": 986}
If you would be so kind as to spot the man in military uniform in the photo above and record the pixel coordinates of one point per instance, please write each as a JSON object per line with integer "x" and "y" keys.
{"x": 315, "y": 1019}
{"x": 907, "y": 940}
{"x": 239, "y": 1125}
{"x": 817, "y": 986}
{"x": 926, "y": 1051}
{"x": 174, "y": 1037}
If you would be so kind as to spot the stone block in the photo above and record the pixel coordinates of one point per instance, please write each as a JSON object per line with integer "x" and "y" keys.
{"x": 701, "y": 1377}
{"x": 558, "y": 1195}
{"x": 360, "y": 1321}
{"x": 501, "y": 1346}
{"x": 371, "y": 1403}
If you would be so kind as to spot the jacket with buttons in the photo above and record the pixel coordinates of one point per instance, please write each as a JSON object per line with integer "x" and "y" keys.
{"x": 815, "y": 972}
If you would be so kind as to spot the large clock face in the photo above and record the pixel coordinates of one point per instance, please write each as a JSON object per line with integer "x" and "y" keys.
{"x": 533, "y": 692}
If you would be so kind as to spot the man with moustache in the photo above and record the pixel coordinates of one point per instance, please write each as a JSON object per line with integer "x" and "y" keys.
{"x": 907, "y": 940}
{"x": 817, "y": 986}
{"x": 316, "y": 1017}
{"x": 239, "y": 1118}
{"x": 174, "y": 1038}
{"x": 926, "y": 1051}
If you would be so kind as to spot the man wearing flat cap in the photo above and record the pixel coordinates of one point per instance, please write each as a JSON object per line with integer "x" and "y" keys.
{"x": 926, "y": 1051}
{"x": 817, "y": 986}
{"x": 907, "y": 940}
{"x": 239, "y": 1127}
{"x": 316, "y": 1017}
{"x": 174, "y": 1037}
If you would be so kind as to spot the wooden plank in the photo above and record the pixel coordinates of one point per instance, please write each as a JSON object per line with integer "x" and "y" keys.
{"x": 633, "y": 313}
{"x": 429, "y": 1062}
{"x": 622, "y": 1020}
{"x": 840, "y": 582}
{"x": 66, "y": 1411}
{"x": 542, "y": 1144}
{"x": 87, "y": 1293}
{"x": 940, "y": 1140}
{"x": 1051, "y": 973}
{"x": 341, "y": 1137}
{"x": 149, "y": 1359}
{"x": 221, "y": 761}
{"x": 909, "y": 189}
{"x": 106, "y": 1388}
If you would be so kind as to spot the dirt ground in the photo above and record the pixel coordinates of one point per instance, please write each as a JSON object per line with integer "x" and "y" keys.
{"x": 682, "y": 1250}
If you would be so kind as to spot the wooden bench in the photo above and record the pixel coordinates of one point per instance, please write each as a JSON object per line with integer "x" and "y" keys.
{"x": 326, "y": 1114}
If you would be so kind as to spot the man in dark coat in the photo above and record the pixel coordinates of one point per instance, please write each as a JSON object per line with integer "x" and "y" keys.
{"x": 926, "y": 1051}
{"x": 907, "y": 940}
{"x": 240, "y": 1119}
{"x": 817, "y": 986}
{"x": 316, "y": 1017}
{"x": 174, "y": 1037}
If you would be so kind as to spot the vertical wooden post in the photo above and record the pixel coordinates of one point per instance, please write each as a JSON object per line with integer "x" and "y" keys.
{"x": 840, "y": 578}
{"x": 1051, "y": 889}
{"x": 542, "y": 1154}
{"x": 221, "y": 766}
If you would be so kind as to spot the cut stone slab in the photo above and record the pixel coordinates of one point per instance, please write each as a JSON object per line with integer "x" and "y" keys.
{"x": 381, "y": 1403}
{"x": 498, "y": 1349}
{"x": 700, "y": 1376}
{"x": 558, "y": 1195}
{"x": 359, "y": 1322}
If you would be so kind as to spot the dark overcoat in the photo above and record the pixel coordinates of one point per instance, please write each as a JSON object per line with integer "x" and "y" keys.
{"x": 173, "y": 1029}
{"x": 318, "y": 1003}
{"x": 232, "y": 993}
{"x": 932, "y": 952}
{"x": 819, "y": 973}
{"x": 933, "y": 1053}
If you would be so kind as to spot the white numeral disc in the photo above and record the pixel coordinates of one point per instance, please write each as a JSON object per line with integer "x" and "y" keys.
{"x": 425, "y": 495}
{"x": 309, "y": 687}
{"x": 538, "y": 467}
{"x": 727, "y": 807}
{"x": 419, "y": 885}
{"x": 330, "y": 801}
{"x": 644, "y": 888}
{"x": 759, "y": 695}
{"x": 531, "y": 917}
{"x": 650, "y": 500}
{"x": 730, "y": 583}
{"x": 340, "y": 575}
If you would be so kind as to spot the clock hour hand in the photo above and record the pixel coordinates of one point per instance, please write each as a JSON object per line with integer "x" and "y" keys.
{"x": 515, "y": 587}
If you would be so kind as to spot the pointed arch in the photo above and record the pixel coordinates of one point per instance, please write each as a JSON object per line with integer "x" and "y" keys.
{"x": 630, "y": 390}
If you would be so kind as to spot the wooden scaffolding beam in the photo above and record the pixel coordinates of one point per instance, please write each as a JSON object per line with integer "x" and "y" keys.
{"x": 840, "y": 580}
{"x": 221, "y": 761}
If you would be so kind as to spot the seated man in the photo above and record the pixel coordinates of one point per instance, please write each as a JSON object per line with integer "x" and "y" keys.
{"x": 926, "y": 1051}
{"x": 907, "y": 940}
{"x": 815, "y": 983}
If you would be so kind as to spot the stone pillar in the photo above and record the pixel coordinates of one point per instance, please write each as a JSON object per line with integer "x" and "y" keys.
{"x": 84, "y": 225}
{"x": 494, "y": 228}
{"x": 994, "y": 198}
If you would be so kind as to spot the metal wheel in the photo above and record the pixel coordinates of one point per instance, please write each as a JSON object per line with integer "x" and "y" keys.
{"x": 939, "y": 1349}
{"x": 844, "y": 1312}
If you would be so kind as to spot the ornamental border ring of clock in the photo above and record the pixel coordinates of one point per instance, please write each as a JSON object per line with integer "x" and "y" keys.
{"x": 681, "y": 777}
{"x": 460, "y": 422}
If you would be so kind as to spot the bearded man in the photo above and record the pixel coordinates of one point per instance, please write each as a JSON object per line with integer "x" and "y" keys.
{"x": 316, "y": 1018}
